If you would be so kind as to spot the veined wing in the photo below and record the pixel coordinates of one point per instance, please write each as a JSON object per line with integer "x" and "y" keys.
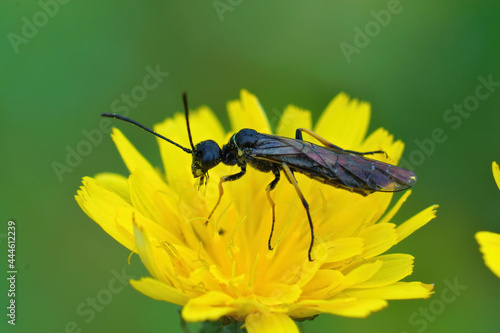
{"x": 334, "y": 167}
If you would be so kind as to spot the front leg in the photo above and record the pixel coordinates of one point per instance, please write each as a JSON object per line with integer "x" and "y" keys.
{"x": 228, "y": 178}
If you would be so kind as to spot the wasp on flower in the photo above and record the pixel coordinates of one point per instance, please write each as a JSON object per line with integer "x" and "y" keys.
{"x": 233, "y": 274}
{"x": 332, "y": 165}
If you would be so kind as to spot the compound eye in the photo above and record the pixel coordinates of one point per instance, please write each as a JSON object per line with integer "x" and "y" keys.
{"x": 208, "y": 154}
{"x": 208, "y": 158}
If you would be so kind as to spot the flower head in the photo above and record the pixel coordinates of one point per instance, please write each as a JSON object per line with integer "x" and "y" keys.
{"x": 489, "y": 242}
{"x": 223, "y": 268}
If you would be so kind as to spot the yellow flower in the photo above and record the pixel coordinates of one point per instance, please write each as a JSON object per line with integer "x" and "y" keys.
{"x": 224, "y": 268}
{"x": 489, "y": 242}
{"x": 496, "y": 173}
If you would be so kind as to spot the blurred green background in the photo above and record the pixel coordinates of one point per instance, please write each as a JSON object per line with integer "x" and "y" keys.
{"x": 65, "y": 62}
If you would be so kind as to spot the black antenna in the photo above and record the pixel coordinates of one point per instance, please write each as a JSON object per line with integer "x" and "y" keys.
{"x": 186, "y": 111}
{"x": 128, "y": 120}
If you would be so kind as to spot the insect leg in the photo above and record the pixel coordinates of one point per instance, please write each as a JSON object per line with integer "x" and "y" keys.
{"x": 228, "y": 178}
{"x": 298, "y": 136}
{"x": 269, "y": 188}
{"x": 367, "y": 152}
{"x": 289, "y": 175}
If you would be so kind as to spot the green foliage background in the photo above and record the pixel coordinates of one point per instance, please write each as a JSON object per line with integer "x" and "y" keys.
{"x": 86, "y": 54}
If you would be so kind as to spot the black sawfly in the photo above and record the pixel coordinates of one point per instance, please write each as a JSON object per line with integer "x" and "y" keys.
{"x": 328, "y": 164}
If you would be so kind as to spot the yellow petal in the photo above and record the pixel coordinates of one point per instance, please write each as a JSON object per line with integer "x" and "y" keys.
{"x": 204, "y": 126}
{"x": 177, "y": 163}
{"x": 414, "y": 223}
{"x": 277, "y": 293}
{"x": 145, "y": 250}
{"x": 344, "y": 122}
{"x": 378, "y": 239}
{"x": 108, "y": 209}
{"x": 159, "y": 291}
{"x": 381, "y": 139}
{"x": 489, "y": 243}
{"x": 347, "y": 307}
{"x": 357, "y": 308}
{"x": 248, "y": 113}
{"x": 324, "y": 281}
{"x": 496, "y": 173}
{"x": 394, "y": 268}
{"x": 154, "y": 199}
{"x": 270, "y": 323}
{"x": 153, "y": 182}
{"x": 115, "y": 183}
{"x": 339, "y": 249}
{"x": 361, "y": 274}
{"x": 225, "y": 280}
{"x": 398, "y": 290}
{"x": 132, "y": 158}
{"x": 162, "y": 254}
{"x": 210, "y": 306}
{"x": 293, "y": 118}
